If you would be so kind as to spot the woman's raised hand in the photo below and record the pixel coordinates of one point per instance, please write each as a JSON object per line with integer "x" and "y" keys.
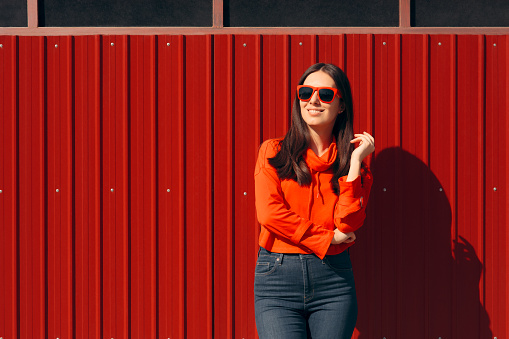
{"x": 340, "y": 237}
{"x": 365, "y": 148}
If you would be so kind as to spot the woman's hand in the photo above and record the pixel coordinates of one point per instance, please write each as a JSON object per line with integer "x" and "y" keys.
{"x": 365, "y": 148}
{"x": 340, "y": 237}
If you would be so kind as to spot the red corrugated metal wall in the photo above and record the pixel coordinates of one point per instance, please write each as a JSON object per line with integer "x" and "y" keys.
{"x": 126, "y": 178}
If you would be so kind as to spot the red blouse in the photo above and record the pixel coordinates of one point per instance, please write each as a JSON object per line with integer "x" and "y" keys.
{"x": 301, "y": 219}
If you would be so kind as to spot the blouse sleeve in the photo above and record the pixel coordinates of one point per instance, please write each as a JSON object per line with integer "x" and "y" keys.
{"x": 274, "y": 214}
{"x": 350, "y": 210}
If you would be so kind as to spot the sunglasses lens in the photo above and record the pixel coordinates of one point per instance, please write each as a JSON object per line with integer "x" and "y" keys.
{"x": 326, "y": 95}
{"x": 305, "y": 93}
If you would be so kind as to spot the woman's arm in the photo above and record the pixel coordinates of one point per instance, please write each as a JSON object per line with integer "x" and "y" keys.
{"x": 365, "y": 148}
{"x": 350, "y": 210}
{"x": 349, "y": 213}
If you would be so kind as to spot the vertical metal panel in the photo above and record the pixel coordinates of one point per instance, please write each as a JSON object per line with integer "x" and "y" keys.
{"x": 171, "y": 187}
{"x": 87, "y": 187}
{"x": 496, "y": 233}
{"x": 468, "y": 237}
{"x": 32, "y": 188}
{"x": 115, "y": 187}
{"x": 247, "y": 135}
{"x": 414, "y": 181}
{"x": 142, "y": 160}
{"x": 224, "y": 174}
{"x": 443, "y": 139}
{"x": 198, "y": 189}
{"x": 277, "y": 93}
{"x": 151, "y": 142}
{"x": 386, "y": 124}
{"x": 59, "y": 186}
{"x": 9, "y": 156}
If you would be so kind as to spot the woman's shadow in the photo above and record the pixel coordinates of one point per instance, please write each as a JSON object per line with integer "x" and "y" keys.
{"x": 414, "y": 277}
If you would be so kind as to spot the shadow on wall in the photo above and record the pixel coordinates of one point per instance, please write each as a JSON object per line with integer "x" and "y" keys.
{"x": 413, "y": 280}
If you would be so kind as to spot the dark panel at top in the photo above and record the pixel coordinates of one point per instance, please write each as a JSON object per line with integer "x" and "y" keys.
{"x": 13, "y": 13}
{"x": 319, "y": 13}
{"x": 149, "y": 13}
{"x": 465, "y": 13}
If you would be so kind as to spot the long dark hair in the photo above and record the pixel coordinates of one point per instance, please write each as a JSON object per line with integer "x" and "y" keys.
{"x": 289, "y": 161}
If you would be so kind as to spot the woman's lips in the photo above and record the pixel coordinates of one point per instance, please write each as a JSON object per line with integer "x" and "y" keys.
{"x": 314, "y": 111}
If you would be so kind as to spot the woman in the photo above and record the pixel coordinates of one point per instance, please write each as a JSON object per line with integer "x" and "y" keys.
{"x": 311, "y": 193}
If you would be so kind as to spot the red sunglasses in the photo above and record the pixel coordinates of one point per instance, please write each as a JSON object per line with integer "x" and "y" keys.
{"x": 325, "y": 94}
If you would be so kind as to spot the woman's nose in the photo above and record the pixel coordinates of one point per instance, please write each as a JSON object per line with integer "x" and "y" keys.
{"x": 314, "y": 98}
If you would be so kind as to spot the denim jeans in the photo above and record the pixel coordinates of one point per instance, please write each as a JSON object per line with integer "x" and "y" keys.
{"x": 300, "y": 296}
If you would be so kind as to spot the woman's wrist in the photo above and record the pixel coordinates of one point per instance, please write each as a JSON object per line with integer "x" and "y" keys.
{"x": 355, "y": 160}
{"x": 355, "y": 169}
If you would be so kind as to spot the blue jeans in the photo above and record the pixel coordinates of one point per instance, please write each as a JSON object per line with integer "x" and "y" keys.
{"x": 299, "y": 296}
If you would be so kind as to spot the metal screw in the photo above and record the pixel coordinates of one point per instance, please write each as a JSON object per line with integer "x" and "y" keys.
{"x": 494, "y": 188}
{"x": 168, "y": 190}
{"x": 57, "y": 190}
{"x": 439, "y": 44}
{"x": 56, "y": 46}
{"x": 440, "y": 189}
{"x": 384, "y": 43}
{"x": 439, "y": 337}
{"x": 112, "y": 189}
{"x": 244, "y": 45}
{"x": 495, "y": 46}
{"x": 245, "y": 193}
{"x": 0, "y": 192}
{"x": 1, "y": 46}
{"x": 385, "y": 189}
{"x": 112, "y": 45}
{"x": 300, "y": 43}
{"x": 168, "y": 44}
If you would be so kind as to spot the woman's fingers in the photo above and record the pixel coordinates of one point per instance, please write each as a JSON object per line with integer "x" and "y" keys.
{"x": 369, "y": 136}
{"x": 364, "y": 137}
{"x": 351, "y": 237}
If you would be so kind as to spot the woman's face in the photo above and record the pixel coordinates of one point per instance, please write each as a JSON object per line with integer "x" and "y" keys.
{"x": 316, "y": 114}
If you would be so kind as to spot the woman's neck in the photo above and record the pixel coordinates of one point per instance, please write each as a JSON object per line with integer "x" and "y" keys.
{"x": 320, "y": 141}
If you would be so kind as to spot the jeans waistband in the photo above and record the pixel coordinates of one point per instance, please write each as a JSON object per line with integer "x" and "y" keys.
{"x": 263, "y": 251}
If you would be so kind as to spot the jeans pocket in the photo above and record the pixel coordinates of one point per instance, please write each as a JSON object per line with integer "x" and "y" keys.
{"x": 265, "y": 265}
{"x": 339, "y": 262}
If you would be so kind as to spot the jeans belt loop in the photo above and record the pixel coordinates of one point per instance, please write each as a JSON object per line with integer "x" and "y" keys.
{"x": 281, "y": 255}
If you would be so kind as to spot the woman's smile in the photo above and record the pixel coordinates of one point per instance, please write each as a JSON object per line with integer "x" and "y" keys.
{"x": 314, "y": 111}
